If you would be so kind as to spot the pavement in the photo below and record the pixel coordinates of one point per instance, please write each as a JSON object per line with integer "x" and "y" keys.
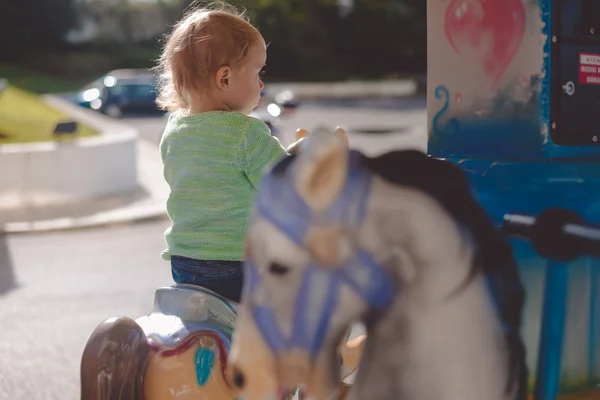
{"x": 56, "y": 287}
{"x": 381, "y": 125}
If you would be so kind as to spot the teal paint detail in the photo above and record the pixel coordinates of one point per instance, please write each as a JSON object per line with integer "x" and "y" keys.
{"x": 546, "y": 80}
{"x": 442, "y": 93}
{"x": 205, "y": 360}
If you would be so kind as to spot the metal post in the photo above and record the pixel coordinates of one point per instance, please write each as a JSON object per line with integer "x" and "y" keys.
{"x": 552, "y": 331}
{"x": 593, "y": 329}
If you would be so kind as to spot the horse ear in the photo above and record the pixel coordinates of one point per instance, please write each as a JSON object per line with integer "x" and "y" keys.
{"x": 322, "y": 169}
{"x": 341, "y": 132}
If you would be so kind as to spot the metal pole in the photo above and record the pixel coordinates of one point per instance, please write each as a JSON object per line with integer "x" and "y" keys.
{"x": 552, "y": 331}
{"x": 593, "y": 329}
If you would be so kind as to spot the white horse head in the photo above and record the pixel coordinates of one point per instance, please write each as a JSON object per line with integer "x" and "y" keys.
{"x": 397, "y": 242}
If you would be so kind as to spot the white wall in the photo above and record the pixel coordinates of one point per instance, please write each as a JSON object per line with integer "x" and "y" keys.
{"x": 51, "y": 172}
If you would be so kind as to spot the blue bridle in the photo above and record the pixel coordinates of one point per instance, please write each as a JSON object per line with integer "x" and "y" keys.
{"x": 278, "y": 203}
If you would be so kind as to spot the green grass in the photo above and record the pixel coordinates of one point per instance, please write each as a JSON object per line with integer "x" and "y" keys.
{"x": 25, "y": 118}
{"x": 33, "y": 82}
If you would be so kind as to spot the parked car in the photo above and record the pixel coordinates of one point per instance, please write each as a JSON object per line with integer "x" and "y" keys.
{"x": 286, "y": 100}
{"x": 134, "y": 91}
{"x": 118, "y": 92}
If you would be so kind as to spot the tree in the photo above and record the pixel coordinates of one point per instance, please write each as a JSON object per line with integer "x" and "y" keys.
{"x": 334, "y": 39}
{"x": 313, "y": 39}
{"x": 28, "y": 26}
{"x": 386, "y": 36}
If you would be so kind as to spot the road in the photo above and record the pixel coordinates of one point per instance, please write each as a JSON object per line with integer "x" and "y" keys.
{"x": 402, "y": 121}
{"x": 56, "y": 287}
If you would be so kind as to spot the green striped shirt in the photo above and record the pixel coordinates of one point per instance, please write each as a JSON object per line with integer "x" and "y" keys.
{"x": 213, "y": 162}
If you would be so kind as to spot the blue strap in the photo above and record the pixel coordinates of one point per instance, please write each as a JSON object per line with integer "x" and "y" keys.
{"x": 279, "y": 203}
{"x": 268, "y": 326}
{"x": 317, "y": 299}
{"x": 315, "y": 304}
{"x": 371, "y": 282}
{"x": 312, "y": 314}
{"x": 318, "y": 294}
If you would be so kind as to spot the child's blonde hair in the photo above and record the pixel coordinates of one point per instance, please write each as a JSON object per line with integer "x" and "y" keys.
{"x": 206, "y": 39}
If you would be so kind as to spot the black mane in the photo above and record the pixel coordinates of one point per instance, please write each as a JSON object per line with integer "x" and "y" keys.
{"x": 448, "y": 184}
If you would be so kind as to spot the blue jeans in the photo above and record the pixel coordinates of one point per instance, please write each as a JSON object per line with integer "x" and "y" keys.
{"x": 225, "y": 278}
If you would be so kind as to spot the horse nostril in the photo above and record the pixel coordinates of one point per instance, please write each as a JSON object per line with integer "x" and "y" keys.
{"x": 238, "y": 378}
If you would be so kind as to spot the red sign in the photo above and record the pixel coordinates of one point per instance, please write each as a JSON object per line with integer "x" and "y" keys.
{"x": 589, "y": 68}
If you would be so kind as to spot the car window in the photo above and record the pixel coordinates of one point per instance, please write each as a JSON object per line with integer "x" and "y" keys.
{"x": 117, "y": 90}
{"x": 135, "y": 91}
{"x": 144, "y": 91}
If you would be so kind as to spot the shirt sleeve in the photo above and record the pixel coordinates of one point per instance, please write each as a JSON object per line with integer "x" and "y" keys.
{"x": 258, "y": 150}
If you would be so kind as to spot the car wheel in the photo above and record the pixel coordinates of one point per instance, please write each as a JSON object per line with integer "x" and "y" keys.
{"x": 113, "y": 111}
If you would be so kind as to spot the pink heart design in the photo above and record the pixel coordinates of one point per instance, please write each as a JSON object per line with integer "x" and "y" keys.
{"x": 493, "y": 28}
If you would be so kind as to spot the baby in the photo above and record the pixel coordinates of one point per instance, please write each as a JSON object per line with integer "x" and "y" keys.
{"x": 213, "y": 153}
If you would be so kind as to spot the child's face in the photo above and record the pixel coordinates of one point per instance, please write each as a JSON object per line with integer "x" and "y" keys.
{"x": 245, "y": 84}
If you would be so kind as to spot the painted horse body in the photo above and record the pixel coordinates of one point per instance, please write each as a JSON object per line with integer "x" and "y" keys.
{"x": 179, "y": 350}
{"x": 398, "y": 242}
{"x": 188, "y": 327}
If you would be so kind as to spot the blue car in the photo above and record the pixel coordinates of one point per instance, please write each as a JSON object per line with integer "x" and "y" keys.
{"x": 119, "y": 92}
{"x": 133, "y": 91}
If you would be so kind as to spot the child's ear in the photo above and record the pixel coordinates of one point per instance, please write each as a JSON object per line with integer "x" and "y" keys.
{"x": 222, "y": 77}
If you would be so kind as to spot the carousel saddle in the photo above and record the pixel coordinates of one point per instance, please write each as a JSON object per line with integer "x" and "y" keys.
{"x": 181, "y": 311}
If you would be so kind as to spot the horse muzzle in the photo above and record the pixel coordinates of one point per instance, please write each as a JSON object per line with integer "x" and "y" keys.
{"x": 293, "y": 368}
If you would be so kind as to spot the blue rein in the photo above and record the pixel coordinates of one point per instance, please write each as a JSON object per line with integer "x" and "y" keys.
{"x": 317, "y": 298}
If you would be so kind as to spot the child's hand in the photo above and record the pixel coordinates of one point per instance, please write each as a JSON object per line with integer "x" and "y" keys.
{"x": 302, "y": 133}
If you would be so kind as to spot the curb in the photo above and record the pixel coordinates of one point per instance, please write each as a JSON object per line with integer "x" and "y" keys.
{"x": 92, "y": 221}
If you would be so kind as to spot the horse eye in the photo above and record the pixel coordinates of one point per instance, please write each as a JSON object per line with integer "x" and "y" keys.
{"x": 278, "y": 269}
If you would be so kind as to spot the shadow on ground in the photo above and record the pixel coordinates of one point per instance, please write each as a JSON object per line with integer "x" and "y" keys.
{"x": 7, "y": 277}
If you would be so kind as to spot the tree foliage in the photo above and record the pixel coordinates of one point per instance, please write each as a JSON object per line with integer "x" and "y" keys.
{"x": 313, "y": 39}
{"x": 308, "y": 39}
{"x": 27, "y": 26}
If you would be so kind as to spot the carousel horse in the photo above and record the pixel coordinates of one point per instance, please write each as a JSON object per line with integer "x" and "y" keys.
{"x": 397, "y": 242}
{"x": 178, "y": 351}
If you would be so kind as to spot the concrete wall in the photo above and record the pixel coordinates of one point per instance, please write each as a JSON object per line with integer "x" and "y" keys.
{"x": 54, "y": 172}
